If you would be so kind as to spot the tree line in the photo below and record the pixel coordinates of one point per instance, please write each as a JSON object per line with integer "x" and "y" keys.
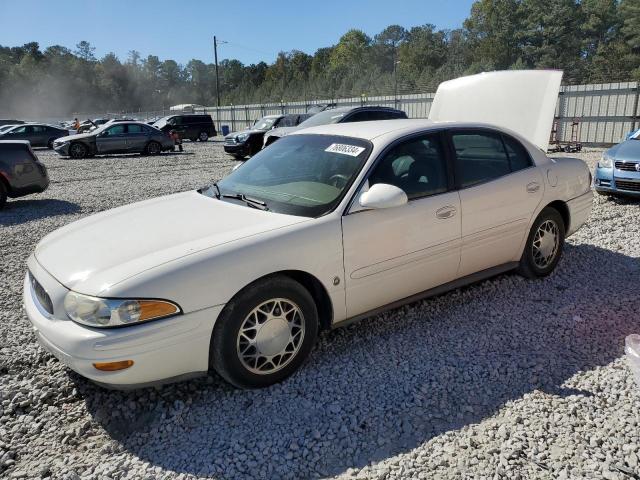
{"x": 593, "y": 41}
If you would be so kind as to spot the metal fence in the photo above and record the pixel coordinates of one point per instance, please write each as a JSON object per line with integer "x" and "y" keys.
{"x": 597, "y": 114}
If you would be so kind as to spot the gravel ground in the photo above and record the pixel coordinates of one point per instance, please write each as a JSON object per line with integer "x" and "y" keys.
{"x": 508, "y": 378}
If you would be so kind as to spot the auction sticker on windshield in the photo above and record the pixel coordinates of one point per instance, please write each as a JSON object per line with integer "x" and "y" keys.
{"x": 350, "y": 150}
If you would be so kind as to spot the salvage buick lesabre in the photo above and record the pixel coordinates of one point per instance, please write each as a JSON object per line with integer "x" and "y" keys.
{"x": 327, "y": 225}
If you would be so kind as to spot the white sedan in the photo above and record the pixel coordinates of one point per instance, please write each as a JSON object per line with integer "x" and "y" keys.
{"x": 328, "y": 225}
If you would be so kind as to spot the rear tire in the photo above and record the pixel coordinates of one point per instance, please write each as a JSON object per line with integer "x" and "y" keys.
{"x": 50, "y": 143}
{"x": 77, "y": 151}
{"x": 265, "y": 333}
{"x": 3, "y": 194}
{"x": 203, "y": 136}
{"x": 544, "y": 245}
{"x": 153, "y": 148}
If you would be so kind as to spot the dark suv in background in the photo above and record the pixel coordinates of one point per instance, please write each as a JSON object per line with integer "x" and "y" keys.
{"x": 338, "y": 115}
{"x": 191, "y": 126}
{"x": 21, "y": 173}
{"x": 249, "y": 142}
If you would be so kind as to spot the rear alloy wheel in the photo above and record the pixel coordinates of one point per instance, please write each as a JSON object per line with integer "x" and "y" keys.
{"x": 265, "y": 333}
{"x": 77, "y": 151}
{"x": 153, "y": 148}
{"x": 203, "y": 136}
{"x": 544, "y": 245}
{"x": 3, "y": 194}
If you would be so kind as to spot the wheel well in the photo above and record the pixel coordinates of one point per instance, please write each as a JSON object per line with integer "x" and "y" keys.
{"x": 317, "y": 291}
{"x": 5, "y": 182}
{"x": 563, "y": 210}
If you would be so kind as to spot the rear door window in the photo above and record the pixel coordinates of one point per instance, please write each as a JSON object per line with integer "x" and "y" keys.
{"x": 134, "y": 128}
{"x": 480, "y": 157}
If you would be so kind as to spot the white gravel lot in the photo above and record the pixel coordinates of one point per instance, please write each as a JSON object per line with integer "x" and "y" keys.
{"x": 508, "y": 378}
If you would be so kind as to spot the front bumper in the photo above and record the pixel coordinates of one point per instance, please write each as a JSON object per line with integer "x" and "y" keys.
{"x": 235, "y": 148}
{"x": 62, "y": 149}
{"x": 162, "y": 351}
{"x": 614, "y": 181}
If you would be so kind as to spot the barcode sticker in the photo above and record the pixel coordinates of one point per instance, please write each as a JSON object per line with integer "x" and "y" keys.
{"x": 350, "y": 150}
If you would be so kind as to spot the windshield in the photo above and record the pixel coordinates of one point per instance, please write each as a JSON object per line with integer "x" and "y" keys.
{"x": 162, "y": 122}
{"x": 265, "y": 123}
{"x": 323, "y": 118}
{"x": 635, "y": 135}
{"x": 304, "y": 175}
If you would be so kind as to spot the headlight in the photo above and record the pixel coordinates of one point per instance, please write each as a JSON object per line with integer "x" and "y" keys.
{"x": 242, "y": 137}
{"x": 605, "y": 161}
{"x": 102, "y": 312}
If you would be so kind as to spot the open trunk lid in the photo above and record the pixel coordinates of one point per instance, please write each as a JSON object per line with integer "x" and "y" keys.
{"x": 523, "y": 101}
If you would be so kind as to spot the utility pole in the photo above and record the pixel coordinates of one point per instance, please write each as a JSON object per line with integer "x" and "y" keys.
{"x": 215, "y": 54}
{"x": 395, "y": 78}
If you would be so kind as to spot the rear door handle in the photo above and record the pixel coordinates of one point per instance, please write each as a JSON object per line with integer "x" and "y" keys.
{"x": 446, "y": 212}
{"x": 533, "y": 187}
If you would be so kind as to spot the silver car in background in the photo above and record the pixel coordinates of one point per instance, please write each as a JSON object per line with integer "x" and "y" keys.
{"x": 115, "y": 137}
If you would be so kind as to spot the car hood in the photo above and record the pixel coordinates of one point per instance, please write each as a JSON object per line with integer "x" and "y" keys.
{"x": 282, "y": 131}
{"x": 79, "y": 136}
{"x": 97, "y": 252}
{"x": 626, "y": 151}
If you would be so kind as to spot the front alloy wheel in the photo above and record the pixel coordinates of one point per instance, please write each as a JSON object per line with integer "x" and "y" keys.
{"x": 264, "y": 333}
{"x": 77, "y": 150}
{"x": 203, "y": 137}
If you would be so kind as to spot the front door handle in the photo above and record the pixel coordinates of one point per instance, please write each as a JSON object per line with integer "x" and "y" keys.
{"x": 446, "y": 212}
{"x": 533, "y": 187}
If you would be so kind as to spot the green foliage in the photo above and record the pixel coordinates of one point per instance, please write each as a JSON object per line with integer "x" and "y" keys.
{"x": 591, "y": 40}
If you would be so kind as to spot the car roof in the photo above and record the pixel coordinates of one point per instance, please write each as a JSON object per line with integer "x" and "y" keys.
{"x": 393, "y": 128}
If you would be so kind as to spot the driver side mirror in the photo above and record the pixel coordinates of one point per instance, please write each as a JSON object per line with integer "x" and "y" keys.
{"x": 383, "y": 195}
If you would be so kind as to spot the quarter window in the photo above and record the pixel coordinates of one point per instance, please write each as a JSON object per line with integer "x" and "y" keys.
{"x": 518, "y": 156}
{"x": 416, "y": 166}
{"x": 481, "y": 157}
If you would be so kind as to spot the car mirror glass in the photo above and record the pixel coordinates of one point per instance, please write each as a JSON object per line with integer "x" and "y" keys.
{"x": 383, "y": 195}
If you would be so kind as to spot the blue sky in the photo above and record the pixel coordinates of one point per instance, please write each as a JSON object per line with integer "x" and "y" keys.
{"x": 184, "y": 29}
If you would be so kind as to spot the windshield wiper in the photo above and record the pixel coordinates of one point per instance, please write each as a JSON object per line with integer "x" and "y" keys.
{"x": 252, "y": 202}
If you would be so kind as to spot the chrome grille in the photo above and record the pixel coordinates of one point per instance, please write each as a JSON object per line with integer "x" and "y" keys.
{"x": 41, "y": 295}
{"x": 627, "y": 166}
{"x": 630, "y": 186}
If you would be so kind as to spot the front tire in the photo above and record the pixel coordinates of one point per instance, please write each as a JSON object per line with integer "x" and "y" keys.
{"x": 264, "y": 333}
{"x": 544, "y": 245}
{"x": 77, "y": 151}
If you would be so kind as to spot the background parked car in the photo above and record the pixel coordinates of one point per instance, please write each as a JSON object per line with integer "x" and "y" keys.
{"x": 618, "y": 171}
{"x": 248, "y": 142}
{"x": 20, "y": 171}
{"x": 193, "y": 127}
{"x": 115, "y": 137}
{"x": 6, "y": 121}
{"x": 38, "y": 134}
{"x": 89, "y": 125}
{"x": 4, "y": 128}
{"x": 338, "y": 115}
